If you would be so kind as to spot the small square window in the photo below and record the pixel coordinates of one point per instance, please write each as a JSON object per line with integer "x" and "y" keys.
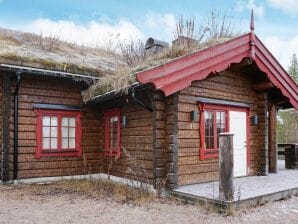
{"x": 58, "y": 133}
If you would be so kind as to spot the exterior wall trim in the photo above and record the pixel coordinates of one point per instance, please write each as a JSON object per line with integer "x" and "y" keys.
{"x": 222, "y": 102}
{"x": 55, "y": 106}
{"x": 96, "y": 176}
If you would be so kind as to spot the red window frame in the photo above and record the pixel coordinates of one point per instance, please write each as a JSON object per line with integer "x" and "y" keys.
{"x": 40, "y": 152}
{"x": 213, "y": 153}
{"x": 108, "y": 151}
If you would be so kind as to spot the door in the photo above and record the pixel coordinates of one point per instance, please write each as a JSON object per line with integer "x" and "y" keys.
{"x": 238, "y": 128}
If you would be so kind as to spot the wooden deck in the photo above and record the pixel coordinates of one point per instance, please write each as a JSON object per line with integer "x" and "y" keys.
{"x": 249, "y": 191}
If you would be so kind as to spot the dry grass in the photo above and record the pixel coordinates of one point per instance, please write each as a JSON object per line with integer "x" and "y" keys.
{"x": 121, "y": 79}
{"x": 49, "y": 52}
{"x": 96, "y": 189}
{"x": 188, "y": 38}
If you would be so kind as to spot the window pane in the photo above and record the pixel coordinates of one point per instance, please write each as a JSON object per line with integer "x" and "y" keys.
{"x": 64, "y": 143}
{"x": 209, "y": 129}
{"x": 218, "y": 117}
{"x": 54, "y": 132}
{"x": 46, "y": 121}
{"x": 72, "y": 122}
{"x": 45, "y": 143}
{"x": 223, "y": 115}
{"x": 54, "y": 121}
{"x": 72, "y": 132}
{"x": 211, "y": 143}
{"x": 64, "y": 121}
{"x": 220, "y": 124}
{"x": 114, "y": 119}
{"x": 72, "y": 143}
{"x": 64, "y": 132}
{"x": 54, "y": 144}
{"x": 113, "y": 132}
{"x": 46, "y": 132}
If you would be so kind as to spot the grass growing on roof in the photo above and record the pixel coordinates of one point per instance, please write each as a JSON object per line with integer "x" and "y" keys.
{"x": 40, "y": 51}
{"x": 121, "y": 79}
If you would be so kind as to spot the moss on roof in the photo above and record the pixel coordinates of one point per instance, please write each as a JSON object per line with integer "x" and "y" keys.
{"x": 32, "y": 50}
{"x": 25, "y": 49}
{"x": 121, "y": 79}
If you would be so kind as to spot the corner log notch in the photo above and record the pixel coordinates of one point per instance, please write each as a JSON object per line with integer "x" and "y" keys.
{"x": 5, "y": 128}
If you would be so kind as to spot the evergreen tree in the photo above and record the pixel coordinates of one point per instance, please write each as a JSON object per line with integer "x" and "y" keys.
{"x": 287, "y": 123}
{"x": 293, "y": 68}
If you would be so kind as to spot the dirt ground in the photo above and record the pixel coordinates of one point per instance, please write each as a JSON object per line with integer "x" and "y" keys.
{"x": 57, "y": 203}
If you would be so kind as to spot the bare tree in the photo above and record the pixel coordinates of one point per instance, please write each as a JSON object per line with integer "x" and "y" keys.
{"x": 49, "y": 42}
{"x": 132, "y": 52}
{"x": 215, "y": 26}
{"x": 219, "y": 25}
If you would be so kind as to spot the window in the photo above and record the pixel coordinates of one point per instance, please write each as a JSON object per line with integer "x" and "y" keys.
{"x": 214, "y": 124}
{"x": 213, "y": 121}
{"x": 58, "y": 133}
{"x": 112, "y": 133}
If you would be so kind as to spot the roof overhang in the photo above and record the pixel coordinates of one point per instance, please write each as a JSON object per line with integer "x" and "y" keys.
{"x": 178, "y": 74}
{"x": 108, "y": 96}
{"x": 87, "y": 79}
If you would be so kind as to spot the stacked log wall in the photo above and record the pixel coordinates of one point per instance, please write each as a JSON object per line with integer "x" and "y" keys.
{"x": 1, "y": 123}
{"x": 228, "y": 86}
{"x": 52, "y": 91}
{"x": 136, "y": 160}
{"x": 136, "y": 138}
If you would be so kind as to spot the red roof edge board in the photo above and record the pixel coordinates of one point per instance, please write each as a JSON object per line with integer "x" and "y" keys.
{"x": 179, "y": 73}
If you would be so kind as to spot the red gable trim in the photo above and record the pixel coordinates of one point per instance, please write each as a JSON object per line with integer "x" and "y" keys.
{"x": 178, "y": 74}
{"x": 275, "y": 72}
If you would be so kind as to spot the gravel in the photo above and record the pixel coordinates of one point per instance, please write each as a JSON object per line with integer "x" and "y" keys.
{"x": 24, "y": 204}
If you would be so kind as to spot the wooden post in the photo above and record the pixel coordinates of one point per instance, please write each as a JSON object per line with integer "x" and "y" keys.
{"x": 272, "y": 140}
{"x": 226, "y": 188}
{"x": 265, "y": 167}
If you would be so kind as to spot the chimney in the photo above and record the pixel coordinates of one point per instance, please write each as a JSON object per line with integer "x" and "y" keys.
{"x": 183, "y": 41}
{"x": 154, "y": 46}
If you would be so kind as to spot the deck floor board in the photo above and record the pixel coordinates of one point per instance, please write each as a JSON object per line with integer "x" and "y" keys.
{"x": 248, "y": 187}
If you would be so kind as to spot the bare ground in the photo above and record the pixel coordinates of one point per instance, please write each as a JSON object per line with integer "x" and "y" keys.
{"x": 59, "y": 203}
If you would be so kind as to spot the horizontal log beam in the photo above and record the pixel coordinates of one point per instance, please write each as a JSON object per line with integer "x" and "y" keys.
{"x": 262, "y": 86}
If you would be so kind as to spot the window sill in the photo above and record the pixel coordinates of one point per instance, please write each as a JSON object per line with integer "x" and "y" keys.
{"x": 59, "y": 153}
{"x": 208, "y": 153}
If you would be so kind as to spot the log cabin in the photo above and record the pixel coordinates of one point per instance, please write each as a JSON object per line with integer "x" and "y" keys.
{"x": 161, "y": 128}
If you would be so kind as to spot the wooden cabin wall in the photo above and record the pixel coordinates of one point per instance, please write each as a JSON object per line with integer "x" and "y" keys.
{"x": 4, "y": 121}
{"x": 227, "y": 86}
{"x": 52, "y": 91}
{"x": 1, "y": 122}
{"x": 136, "y": 139}
{"x": 136, "y": 160}
{"x": 165, "y": 138}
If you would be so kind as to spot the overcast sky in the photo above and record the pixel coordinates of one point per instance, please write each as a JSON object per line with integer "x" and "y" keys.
{"x": 95, "y": 22}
